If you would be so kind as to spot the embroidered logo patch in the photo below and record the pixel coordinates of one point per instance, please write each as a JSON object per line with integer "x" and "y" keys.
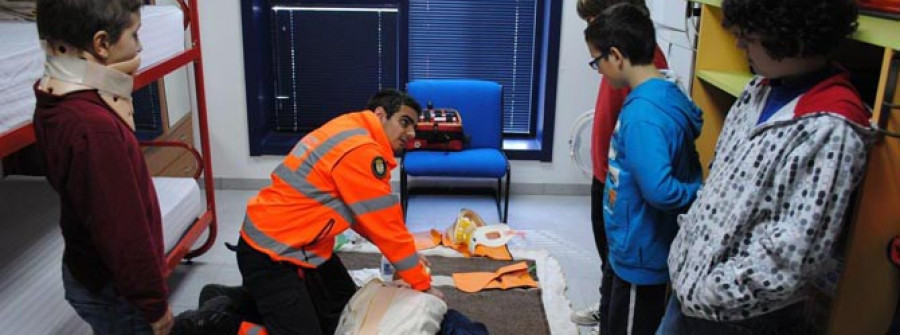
{"x": 379, "y": 167}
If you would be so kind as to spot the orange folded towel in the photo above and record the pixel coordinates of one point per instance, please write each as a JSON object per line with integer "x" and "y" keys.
{"x": 507, "y": 277}
{"x": 427, "y": 239}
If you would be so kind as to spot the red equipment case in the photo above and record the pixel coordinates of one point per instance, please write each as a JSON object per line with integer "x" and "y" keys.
{"x": 438, "y": 129}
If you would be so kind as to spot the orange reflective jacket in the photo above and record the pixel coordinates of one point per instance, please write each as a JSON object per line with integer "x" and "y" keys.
{"x": 248, "y": 328}
{"x": 336, "y": 177}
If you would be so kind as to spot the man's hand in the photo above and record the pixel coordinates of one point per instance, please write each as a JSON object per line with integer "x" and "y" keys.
{"x": 435, "y": 292}
{"x": 164, "y": 324}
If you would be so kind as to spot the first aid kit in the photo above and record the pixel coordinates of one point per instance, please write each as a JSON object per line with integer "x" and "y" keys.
{"x": 438, "y": 129}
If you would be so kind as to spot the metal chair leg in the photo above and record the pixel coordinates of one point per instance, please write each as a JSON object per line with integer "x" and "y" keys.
{"x": 498, "y": 197}
{"x": 506, "y": 201}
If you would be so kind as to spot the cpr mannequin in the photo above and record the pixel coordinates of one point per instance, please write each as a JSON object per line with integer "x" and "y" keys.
{"x": 388, "y": 308}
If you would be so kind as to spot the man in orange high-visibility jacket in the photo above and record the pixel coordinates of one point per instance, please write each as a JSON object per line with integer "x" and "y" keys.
{"x": 337, "y": 177}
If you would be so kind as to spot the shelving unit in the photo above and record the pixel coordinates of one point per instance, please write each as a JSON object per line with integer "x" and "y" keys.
{"x": 867, "y": 291}
{"x": 731, "y": 82}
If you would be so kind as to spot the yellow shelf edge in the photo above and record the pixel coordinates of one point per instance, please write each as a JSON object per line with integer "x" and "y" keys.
{"x": 717, "y": 3}
{"x": 878, "y": 31}
{"x": 873, "y": 30}
{"x": 731, "y": 82}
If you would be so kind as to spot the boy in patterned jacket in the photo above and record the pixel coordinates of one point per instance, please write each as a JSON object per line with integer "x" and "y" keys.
{"x": 790, "y": 154}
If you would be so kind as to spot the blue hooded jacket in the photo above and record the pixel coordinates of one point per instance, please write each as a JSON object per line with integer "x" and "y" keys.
{"x": 654, "y": 175}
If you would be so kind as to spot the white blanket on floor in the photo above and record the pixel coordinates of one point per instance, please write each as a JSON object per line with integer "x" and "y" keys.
{"x": 552, "y": 282}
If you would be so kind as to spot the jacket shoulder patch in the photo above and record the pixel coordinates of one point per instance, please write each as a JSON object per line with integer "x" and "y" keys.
{"x": 379, "y": 167}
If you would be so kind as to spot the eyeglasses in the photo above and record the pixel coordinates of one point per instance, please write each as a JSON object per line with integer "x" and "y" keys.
{"x": 595, "y": 64}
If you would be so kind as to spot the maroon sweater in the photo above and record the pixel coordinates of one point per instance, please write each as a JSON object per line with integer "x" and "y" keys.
{"x": 109, "y": 216}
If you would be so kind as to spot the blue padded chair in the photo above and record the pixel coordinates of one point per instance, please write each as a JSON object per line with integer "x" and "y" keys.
{"x": 480, "y": 103}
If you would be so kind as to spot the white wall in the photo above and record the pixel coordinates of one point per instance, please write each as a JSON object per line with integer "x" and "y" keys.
{"x": 222, "y": 39}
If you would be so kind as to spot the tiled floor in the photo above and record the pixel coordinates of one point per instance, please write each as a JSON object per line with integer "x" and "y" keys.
{"x": 31, "y": 248}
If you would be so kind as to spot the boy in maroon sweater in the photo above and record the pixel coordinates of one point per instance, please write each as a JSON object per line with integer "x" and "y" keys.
{"x": 114, "y": 259}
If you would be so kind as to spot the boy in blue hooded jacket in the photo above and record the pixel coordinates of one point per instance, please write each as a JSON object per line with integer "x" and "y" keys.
{"x": 654, "y": 169}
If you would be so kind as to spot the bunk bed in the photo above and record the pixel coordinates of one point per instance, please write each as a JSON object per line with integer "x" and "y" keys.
{"x": 186, "y": 215}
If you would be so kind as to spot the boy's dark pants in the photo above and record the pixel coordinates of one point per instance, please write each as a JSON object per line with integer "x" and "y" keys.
{"x": 602, "y": 248}
{"x": 105, "y": 311}
{"x": 638, "y": 308}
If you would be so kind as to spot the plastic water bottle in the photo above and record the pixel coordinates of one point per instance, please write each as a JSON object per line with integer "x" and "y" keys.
{"x": 387, "y": 270}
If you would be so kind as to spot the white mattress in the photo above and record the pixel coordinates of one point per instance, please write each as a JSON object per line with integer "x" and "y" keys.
{"x": 180, "y": 204}
{"x": 21, "y": 64}
{"x": 161, "y": 33}
{"x": 22, "y": 60}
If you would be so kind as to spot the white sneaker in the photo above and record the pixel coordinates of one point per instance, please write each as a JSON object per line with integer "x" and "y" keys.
{"x": 588, "y": 316}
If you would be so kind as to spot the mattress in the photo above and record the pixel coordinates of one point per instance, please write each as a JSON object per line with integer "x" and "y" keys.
{"x": 180, "y": 204}
{"x": 22, "y": 60}
{"x": 21, "y": 64}
{"x": 161, "y": 33}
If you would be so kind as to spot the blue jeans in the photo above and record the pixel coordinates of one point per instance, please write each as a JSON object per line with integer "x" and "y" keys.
{"x": 105, "y": 311}
{"x": 673, "y": 321}
{"x": 788, "y": 320}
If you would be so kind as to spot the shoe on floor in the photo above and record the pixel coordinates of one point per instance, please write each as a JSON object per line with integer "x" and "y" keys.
{"x": 588, "y": 316}
{"x": 236, "y": 293}
{"x": 221, "y": 304}
{"x": 205, "y": 322}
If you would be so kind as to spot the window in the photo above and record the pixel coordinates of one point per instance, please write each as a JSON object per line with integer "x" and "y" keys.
{"x": 329, "y": 60}
{"x": 309, "y": 61}
{"x": 490, "y": 40}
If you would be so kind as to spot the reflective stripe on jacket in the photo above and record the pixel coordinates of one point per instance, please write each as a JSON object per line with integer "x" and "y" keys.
{"x": 336, "y": 177}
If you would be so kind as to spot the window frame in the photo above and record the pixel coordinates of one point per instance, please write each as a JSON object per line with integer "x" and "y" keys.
{"x": 256, "y": 18}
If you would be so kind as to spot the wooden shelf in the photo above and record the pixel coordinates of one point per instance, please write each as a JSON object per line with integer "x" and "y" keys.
{"x": 872, "y": 30}
{"x": 731, "y": 82}
{"x": 716, "y": 3}
{"x": 878, "y": 31}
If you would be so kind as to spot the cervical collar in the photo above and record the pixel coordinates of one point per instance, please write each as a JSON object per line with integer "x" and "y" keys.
{"x": 490, "y": 236}
{"x": 68, "y": 70}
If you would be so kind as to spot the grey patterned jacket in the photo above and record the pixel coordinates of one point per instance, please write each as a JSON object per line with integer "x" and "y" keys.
{"x": 773, "y": 203}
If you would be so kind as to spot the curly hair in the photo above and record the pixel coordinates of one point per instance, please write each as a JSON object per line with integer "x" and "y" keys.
{"x": 589, "y": 9}
{"x": 793, "y": 28}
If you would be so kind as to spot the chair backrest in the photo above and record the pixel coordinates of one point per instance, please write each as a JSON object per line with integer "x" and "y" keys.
{"x": 480, "y": 103}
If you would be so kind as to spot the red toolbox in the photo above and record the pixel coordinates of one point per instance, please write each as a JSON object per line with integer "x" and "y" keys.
{"x": 438, "y": 129}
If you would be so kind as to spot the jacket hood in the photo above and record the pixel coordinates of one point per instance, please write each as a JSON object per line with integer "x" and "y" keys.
{"x": 666, "y": 95}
